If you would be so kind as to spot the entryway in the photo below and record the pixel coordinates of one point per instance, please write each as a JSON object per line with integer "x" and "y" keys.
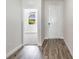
{"x": 53, "y": 49}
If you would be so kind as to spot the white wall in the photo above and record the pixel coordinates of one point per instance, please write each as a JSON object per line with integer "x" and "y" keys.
{"x": 34, "y": 4}
{"x": 13, "y": 26}
{"x": 42, "y": 21}
{"x": 56, "y": 15}
{"x": 68, "y": 24}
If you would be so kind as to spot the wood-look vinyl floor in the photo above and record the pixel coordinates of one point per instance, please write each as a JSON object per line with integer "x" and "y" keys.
{"x": 56, "y": 49}
{"x": 51, "y": 49}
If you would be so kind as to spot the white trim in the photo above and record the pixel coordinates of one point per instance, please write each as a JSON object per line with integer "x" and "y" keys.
{"x": 40, "y": 44}
{"x": 13, "y": 51}
{"x": 68, "y": 47}
{"x": 54, "y": 38}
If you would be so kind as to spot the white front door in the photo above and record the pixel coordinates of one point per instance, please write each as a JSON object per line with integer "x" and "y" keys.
{"x": 54, "y": 21}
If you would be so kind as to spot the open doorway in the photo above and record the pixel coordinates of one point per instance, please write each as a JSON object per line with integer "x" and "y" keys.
{"x": 30, "y": 31}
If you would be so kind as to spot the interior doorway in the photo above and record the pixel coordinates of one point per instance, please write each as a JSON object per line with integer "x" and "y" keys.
{"x": 30, "y": 33}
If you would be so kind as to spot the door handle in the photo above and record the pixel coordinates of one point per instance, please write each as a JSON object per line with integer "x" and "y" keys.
{"x": 48, "y": 23}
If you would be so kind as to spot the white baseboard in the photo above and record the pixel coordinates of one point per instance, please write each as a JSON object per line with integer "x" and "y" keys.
{"x": 40, "y": 44}
{"x": 54, "y": 38}
{"x": 68, "y": 48}
{"x": 13, "y": 51}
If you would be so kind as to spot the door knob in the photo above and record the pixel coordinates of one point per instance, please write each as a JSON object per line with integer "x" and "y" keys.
{"x": 48, "y": 23}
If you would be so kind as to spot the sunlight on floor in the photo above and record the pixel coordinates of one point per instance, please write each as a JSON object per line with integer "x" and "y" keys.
{"x": 30, "y": 52}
